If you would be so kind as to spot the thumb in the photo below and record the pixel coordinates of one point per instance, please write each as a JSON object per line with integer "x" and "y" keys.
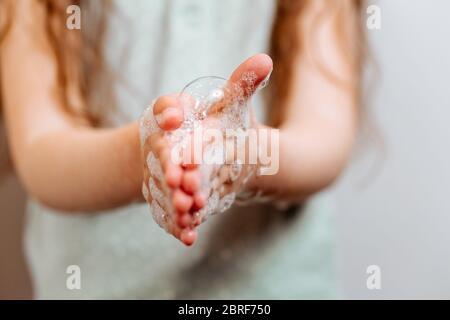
{"x": 245, "y": 80}
{"x": 251, "y": 73}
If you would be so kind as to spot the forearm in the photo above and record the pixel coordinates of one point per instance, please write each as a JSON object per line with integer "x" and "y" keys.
{"x": 310, "y": 159}
{"x": 84, "y": 169}
{"x": 321, "y": 111}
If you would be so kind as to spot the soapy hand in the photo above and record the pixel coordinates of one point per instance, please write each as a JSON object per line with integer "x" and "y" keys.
{"x": 181, "y": 189}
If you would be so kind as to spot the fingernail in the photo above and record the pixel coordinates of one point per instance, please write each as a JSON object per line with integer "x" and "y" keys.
{"x": 162, "y": 117}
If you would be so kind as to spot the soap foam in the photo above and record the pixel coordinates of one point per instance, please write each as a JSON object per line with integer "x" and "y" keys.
{"x": 207, "y": 102}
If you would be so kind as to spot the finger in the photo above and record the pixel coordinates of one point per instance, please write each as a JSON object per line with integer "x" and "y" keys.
{"x": 259, "y": 66}
{"x": 245, "y": 80}
{"x": 168, "y": 112}
{"x": 175, "y": 230}
{"x": 184, "y": 220}
{"x": 199, "y": 201}
{"x": 173, "y": 173}
{"x": 188, "y": 236}
{"x": 157, "y": 143}
{"x": 191, "y": 181}
{"x": 182, "y": 201}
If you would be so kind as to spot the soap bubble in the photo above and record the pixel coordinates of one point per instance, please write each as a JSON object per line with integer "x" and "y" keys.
{"x": 215, "y": 95}
{"x": 208, "y": 102}
{"x": 204, "y": 92}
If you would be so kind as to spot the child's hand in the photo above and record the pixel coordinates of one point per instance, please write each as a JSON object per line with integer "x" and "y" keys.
{"x": 172, "y": 190}
{"x": 182, "y": 196}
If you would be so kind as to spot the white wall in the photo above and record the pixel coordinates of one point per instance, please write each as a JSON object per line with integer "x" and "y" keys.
{"x": 401, "y": 221}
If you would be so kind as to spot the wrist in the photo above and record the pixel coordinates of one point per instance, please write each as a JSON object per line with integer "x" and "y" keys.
{"x": 259, "y": 148}
{"x": 133, "y": 172}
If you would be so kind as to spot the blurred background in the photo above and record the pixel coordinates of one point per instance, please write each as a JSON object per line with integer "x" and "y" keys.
{"x": 401, "y": 220}
{"x": 396, "y": 218}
